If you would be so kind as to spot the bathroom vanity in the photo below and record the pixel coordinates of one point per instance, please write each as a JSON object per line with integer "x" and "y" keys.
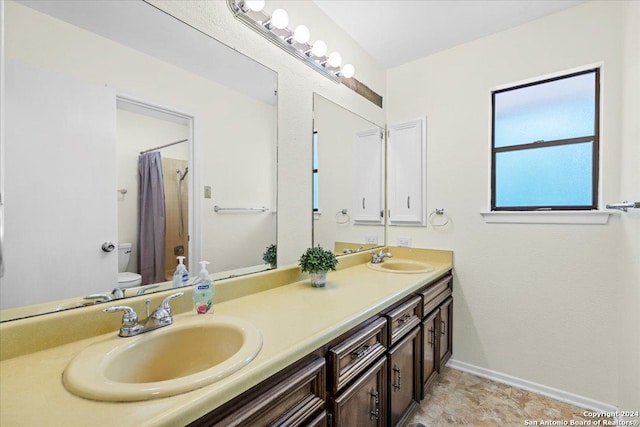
{"x": 355, "y": 348}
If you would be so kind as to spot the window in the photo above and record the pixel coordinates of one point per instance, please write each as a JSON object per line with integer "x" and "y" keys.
{"x": 315, "y": 171}
{"x": 545, "y": 144}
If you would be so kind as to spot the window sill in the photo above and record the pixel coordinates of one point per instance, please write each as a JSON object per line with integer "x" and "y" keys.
{"x": 547, "y": 217}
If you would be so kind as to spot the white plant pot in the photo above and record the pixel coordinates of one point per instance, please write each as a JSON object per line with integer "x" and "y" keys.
{"x": 318, "y": 279}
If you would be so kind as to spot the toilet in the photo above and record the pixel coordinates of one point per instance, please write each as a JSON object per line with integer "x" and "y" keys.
{"x": 125, "y": 278}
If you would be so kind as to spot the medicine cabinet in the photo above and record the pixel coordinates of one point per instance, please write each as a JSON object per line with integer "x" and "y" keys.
{"x": 406, "y": 172}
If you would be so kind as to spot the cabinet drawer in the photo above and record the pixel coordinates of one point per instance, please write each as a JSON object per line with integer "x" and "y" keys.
{"x": 355, "y": 353}
{"x": 434, "y": 294}
{"x": 293, "y": 397}
{"x": 402, "y": 319}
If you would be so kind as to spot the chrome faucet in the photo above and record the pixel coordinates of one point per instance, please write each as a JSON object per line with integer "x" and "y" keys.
{"x": 379, "y": 257}
{"x": 160, "y": 317}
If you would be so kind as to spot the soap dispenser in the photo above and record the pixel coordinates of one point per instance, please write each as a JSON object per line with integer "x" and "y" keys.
{"x": 181, "y": 276}
{"x": 203, "y": 291}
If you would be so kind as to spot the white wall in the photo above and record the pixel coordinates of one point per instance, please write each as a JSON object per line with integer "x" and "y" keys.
{"x": 538, "y": 302}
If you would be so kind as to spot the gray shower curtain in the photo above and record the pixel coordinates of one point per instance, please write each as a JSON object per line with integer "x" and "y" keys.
{"x": 151, "y": 218}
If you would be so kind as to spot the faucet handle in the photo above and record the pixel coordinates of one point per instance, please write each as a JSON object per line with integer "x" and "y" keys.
{"x": 164, "y": 310}
{"x": 145, "y": 288}
{"x": 118, "y": 293}
{"x": 99, "y": 297}
{"x": 129, "y": 318}
{"x": 165, "y": 302}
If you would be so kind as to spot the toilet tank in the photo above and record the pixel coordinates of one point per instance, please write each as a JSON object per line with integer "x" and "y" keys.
{"x": 124, "y": 252}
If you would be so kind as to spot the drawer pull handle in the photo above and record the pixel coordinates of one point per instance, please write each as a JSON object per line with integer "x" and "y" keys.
{"x": 431, "y": 336}
{"x": 404, "y": 318}
{"x": 443, "y": 327}
{"x": 356, "y": 354}
{"x": 374, "y": 409}
{"x": 396, "y": 373}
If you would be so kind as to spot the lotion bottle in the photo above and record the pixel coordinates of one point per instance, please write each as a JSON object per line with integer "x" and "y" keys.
{"x": 181, "y": 276}
{"x": 203, "y": 291}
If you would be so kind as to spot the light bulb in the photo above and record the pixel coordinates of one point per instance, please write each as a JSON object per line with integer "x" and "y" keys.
{"x": 280, "y": 19}
{"x": 254, "y": 5}
{"x": 335, "y": 59}
{"x": 348, "y": 71}
{"x": 319, "y": 49}
{"x": 301, "y": 34}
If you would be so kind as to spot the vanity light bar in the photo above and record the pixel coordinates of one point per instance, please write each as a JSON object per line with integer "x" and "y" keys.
{"x": 274, "y": 27}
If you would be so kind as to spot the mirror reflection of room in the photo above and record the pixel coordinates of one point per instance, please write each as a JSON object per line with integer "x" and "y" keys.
{"x": 105, "y": 90}
{"x": 348, "y": 168}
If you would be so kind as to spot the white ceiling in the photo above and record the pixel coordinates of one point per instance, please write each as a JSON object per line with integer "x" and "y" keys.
{"x": 398, "y": 31}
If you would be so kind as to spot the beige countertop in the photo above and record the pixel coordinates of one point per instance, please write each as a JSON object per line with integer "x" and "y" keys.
{"x": 294, "y": 319}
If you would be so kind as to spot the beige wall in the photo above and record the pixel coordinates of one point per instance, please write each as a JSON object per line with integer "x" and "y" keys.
{"x": 538, "y": 302}
{"x": 629, "y": 244}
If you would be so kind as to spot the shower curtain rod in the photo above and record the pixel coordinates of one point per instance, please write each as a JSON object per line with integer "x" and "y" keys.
{"x": 164, "y": 146}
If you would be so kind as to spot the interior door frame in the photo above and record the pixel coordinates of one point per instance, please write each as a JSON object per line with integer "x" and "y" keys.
{"x": 155, "y": 109}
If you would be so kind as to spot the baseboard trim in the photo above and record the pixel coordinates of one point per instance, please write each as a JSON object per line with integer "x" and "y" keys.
{"x": 554, "y": 393}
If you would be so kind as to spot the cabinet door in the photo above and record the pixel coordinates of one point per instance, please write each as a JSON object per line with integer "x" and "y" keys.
{"x": 364, "y": 403}
{"x": 368, "y": 173}
{"x": 407, "y": 172}
{"x": 430, "y": 350}
{"x": 446, "y": 325}
{"x": 403, "y": 377}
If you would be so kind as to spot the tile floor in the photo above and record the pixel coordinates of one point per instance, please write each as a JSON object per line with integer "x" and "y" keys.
{"x": 461, "y": 399}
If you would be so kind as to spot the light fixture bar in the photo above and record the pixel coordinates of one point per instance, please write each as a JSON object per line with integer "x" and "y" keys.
{"x": 283, "y": 38}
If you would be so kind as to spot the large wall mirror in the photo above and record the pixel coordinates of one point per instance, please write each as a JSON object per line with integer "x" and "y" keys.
{"x": 348, "y": 179}
{"x": 122, "y": 124}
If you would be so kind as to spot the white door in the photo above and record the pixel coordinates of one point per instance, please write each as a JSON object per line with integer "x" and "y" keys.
{"x": 407, "y": 172}
{"x": 60, "y": 187}
{"x": 368, "y": 167}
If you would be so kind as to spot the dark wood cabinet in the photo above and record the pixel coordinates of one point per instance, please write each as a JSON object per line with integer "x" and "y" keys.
{"x": 373, "y": 375}
{"x": 356, "y": 351}
{"x": 295, "y": 396}
{"x": 430, "y": 349}
{"x": 436, "y": 328}
{"x": 404, "y": 377}
{"x": 363, "y": 403}
{"x": 446, "y": 323}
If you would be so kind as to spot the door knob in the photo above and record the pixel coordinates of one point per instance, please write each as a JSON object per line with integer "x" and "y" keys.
{"x": 108, "y": 246}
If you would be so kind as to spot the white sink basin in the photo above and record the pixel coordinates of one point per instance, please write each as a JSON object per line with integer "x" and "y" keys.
{"x": 193, "y": 352}
{"x": 392, "y": 265}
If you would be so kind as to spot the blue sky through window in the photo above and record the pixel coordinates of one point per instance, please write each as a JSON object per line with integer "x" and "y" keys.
{"x": 559, "y": 174}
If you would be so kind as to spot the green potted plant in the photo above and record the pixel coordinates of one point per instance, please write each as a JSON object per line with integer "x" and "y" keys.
{"x": 317, "y": 261}
{"x": 270, "y": 255}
